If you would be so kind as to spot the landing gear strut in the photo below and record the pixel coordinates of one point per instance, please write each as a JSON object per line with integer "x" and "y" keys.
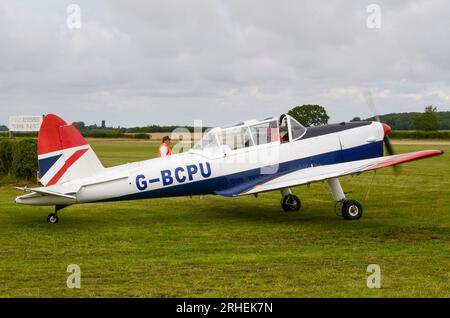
{"x": 53, "y": 217}
{"x": 289, "y": 201}
{"x": 351, "y": 209}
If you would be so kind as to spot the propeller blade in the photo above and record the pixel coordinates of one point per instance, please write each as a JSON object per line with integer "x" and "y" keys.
{"x": 369, "y": 101}
{"x": 390, "y": 150}
{"x": 387, "y": 142}
{"x": 388, "y": 145}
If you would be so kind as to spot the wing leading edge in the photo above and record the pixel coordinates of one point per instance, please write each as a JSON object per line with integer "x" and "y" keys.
{"x": 319, "y": 173}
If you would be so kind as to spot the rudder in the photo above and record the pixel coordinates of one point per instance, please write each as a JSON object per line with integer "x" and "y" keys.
{"x": 63, "y": 153}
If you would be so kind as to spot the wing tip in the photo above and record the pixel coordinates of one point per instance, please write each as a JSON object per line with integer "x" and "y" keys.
{"x": 434, "y": 152}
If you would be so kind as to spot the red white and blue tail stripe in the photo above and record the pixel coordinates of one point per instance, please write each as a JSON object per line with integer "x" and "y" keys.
{"x": 63, "y": 153}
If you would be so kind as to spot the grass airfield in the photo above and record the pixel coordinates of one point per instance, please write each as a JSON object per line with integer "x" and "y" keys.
{"x": 237, "y": 247}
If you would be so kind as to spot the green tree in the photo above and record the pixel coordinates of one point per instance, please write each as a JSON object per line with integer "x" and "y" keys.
{"x": 80, "y": 125}
{"x": 427, "y": 121}
{"x": 430, "y": 109}
{"x": 310, "y": 115}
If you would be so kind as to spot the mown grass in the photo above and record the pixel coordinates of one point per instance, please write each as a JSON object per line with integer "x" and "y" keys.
{"x": 240, "y": 247}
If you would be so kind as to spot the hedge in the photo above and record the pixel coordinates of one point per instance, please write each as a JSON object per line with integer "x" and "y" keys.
{"x": 416, "y": 134}
{"x": 18, "y": 157}
{"x": 6, "y": 156}
{"x": 140, "y": 136}
{"x": 90, "y": 134}
{"x": 19, "y": 134}
{"x": 113, "y": 134}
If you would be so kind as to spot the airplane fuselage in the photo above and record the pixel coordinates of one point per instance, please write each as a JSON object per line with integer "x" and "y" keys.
{"x": 225, "y": 171}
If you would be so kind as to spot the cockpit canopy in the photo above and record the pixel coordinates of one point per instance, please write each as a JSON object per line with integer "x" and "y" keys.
{"x": 252, "y": 133}
{"x": 294, "y": 128}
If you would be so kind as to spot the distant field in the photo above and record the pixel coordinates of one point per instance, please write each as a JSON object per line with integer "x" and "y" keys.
{"x": 242, "y": 247}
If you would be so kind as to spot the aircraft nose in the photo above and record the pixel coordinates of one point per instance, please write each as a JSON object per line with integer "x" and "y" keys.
{"x": 386, "y": 128}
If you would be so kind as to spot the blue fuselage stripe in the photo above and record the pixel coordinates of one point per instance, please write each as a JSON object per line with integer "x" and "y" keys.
{"x": 236, "y": 183}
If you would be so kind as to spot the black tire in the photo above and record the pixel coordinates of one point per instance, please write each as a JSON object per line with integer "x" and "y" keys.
{"x": 291, "y": 203}
{"x": 52, "y": 218}
{"x": 352, "y": 210}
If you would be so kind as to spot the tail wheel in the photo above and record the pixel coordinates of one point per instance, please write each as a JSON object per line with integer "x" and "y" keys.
{"x": 53, "y": 218}
{"x": 352, "y": 210}
{"x": 290, "y": 203}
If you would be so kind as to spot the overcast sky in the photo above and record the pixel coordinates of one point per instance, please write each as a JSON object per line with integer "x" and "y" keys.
{"x": 171, "y": 62}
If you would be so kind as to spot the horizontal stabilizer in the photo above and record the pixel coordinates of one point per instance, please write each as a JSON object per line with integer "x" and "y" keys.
{"x": 44, "y": 191}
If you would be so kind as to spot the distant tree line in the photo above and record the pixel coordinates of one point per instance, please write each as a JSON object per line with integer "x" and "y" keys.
{"x": 429, "y": 120}
{"x": 83, "y": 128}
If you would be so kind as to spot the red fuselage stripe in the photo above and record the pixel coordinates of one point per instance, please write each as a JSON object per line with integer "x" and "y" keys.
{"x": 69, "y": 162}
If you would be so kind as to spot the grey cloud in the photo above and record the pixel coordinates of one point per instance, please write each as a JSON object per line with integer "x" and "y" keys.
{"x": 220, "y": 61}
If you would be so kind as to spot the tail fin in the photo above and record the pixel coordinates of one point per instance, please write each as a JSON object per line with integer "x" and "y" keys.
{"x": 63, "y": 153}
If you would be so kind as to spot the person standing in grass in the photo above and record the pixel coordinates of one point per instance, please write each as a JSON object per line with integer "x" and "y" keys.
{"x": 164, "y": 149}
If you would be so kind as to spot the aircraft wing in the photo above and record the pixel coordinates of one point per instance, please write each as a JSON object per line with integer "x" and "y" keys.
{"x": 319, "y": 173}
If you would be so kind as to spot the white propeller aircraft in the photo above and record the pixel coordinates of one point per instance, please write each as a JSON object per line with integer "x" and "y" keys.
{"x": 248, "y": 158}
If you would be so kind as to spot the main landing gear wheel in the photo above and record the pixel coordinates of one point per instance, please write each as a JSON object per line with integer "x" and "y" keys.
{"x": 351, "y": 210}
{"x": 53, "y": 218}
{"x": 290, "y": 203}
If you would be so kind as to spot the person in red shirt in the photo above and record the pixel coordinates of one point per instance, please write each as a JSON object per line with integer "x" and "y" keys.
{"x": 164, "y": 149}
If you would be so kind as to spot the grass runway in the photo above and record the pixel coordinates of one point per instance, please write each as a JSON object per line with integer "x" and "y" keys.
{"x": 237, "y": 247}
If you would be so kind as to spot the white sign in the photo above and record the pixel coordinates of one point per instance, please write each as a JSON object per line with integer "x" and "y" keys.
{"x": 25, "y": 123}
